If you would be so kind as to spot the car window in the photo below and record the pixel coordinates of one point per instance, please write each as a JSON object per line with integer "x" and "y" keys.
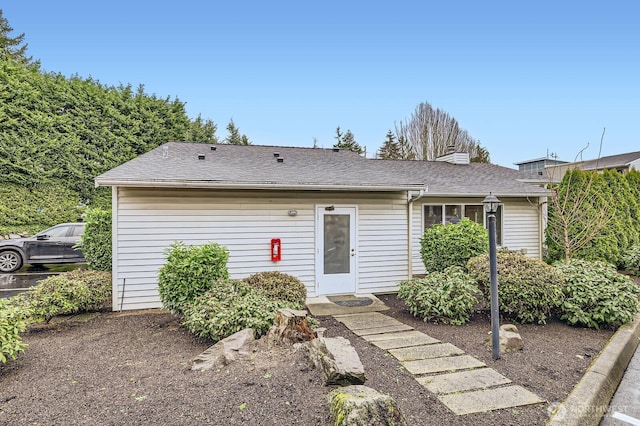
{"x": 58, "y": 231}
{"x": 77, "y": 230}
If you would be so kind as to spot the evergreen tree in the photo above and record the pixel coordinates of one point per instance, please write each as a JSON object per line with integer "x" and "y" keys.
{"x": 202, "y": 131}
{"x": 57, "y": 134}
{"x": 581, "y": 215}
{"x": 390, "y": 148}
{"x": 347, "y": 141}
{"x": 12, "y": 47}
{"x": 235, "y": 138}
{"x": 481, "y": 155}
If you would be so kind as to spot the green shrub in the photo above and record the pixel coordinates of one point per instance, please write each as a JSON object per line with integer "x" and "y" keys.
{"x": 12, "y": 323}
{"x": 279, "y": 286}
{"x": 631, "y": 260}
{"x": 596, "y": 295}
{"x": 528, "y": 289}
{"x": 100, "y": 288}
{"x": 96, "y": 240}
{"x": 68, "y": 293}
{"x": 189, "y": 272}
{"x": 452, "y": 245}
{"x": 228, "y": 307}
{"x": 447, "y": 297}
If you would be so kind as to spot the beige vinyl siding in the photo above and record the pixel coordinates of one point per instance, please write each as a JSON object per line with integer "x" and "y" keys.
{"x": 520, "y": 225}
{"x": 149, "y": 220}
{"x": 382, "y": 244}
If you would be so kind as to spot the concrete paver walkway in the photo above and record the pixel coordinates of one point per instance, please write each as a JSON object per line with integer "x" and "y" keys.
{"x": 461, "y": 382}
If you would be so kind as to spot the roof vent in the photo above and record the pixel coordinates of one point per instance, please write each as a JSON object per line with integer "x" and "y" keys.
{"x": 336, "y": 149}
{"x": 200, "y": 156}
{"x": 276, "y": 154}
{"x": 280, "y": 160}
{"x": 213, "y": 148}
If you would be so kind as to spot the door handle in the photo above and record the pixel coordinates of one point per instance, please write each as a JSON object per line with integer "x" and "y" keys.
{"x": 353, "y": 252}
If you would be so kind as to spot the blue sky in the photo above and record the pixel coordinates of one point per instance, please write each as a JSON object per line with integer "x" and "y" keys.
{"x": 524, "y": 78}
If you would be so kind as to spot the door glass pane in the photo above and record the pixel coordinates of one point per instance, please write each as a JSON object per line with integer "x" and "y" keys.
{"x": 336, "y": 244}
{"x": 432, "y": 216}
{"x": 474, "y": 213}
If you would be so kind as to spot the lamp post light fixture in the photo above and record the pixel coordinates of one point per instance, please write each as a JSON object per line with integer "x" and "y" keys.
{"x": 491, "y": 203}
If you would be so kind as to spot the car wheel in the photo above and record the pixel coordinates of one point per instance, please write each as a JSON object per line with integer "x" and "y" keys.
{"x": 10, "y": 261}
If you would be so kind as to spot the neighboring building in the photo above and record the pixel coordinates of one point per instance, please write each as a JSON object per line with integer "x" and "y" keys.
{"x": 622, "y": 163}
{"x": 342, "y": 223}
{"x": 537, "y": 166}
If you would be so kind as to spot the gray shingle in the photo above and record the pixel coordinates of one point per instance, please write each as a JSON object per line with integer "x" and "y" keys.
{"x": 610, "y": 162}
{"x": 255, "y": 166}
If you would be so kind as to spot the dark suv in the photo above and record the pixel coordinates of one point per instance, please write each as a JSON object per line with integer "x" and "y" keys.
{"x": 53, "y": 245}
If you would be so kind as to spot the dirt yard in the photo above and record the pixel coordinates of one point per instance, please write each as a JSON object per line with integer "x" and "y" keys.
{"x": 134, "y": 368}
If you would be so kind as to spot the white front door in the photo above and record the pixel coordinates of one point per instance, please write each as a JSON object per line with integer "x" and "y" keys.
{"x": 336, "y": 244}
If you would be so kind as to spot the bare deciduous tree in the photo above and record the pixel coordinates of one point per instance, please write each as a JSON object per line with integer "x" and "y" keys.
{"x": 579, "y": 210}
{"x": 430, "y": 133}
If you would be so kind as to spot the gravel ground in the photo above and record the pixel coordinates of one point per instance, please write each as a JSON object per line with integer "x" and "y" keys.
{"x": 134, "y": 368}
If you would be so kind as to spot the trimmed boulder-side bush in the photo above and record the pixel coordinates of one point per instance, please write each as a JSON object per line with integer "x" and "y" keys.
{"x": 68, "y": 293}
{"x": 528, "y": 289}
{"x": 279, "y": 286}
{"x": 228, "y": 307}
{"x": 12, "y": 323}
{"x": 447, "y": 297}
{"x": 596, "y": 295}
{"x": 189, "y": 272}
{"x": 443, "y": 246}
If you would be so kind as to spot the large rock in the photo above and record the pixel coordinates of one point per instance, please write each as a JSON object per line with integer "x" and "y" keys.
{"x": 363, "y": 406}
{"x": 237, "y": 346}
{"x": 510, "y": 339}
{"x": 337, "y": 359}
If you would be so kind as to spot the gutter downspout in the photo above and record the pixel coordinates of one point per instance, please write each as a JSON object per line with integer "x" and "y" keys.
{"x": 542, "y": 218}
{"x": 410, "y": 200}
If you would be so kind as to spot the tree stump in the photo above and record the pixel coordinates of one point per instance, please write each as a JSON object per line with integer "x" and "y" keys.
{"x": 290, "y": 327}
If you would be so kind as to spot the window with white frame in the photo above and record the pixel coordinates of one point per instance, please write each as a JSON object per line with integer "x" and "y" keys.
{"x": 446, "y": 214}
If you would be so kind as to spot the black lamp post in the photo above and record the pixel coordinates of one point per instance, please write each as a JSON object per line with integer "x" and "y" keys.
{"x": 491, "y": 204}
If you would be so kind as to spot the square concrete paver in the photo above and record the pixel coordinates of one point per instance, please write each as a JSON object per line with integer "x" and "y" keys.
{"x": 392, "y": 336}
{"x": 368, "y": 320}
{"x": 489, "y": 399}
{"x": 437, "y": 350}
{"x": 380, "y": 330}
{"x": 439, "y": 365}
{"x": 417, "y": 339}
{"x": 462, "y": 381}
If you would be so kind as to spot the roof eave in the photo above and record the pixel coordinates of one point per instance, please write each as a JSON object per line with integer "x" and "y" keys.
{"x": 257, "y": 185}
{"x": 484, "y": 194}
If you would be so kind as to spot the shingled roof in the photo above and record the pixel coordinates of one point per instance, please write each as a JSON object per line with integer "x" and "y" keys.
{"x": 610, "y": 162}
{"x": 179, "y": 164}
{"x": 473, "y": 179}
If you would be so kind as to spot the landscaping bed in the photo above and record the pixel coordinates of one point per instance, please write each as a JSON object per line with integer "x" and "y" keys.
{"x": 134, "y": 368}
